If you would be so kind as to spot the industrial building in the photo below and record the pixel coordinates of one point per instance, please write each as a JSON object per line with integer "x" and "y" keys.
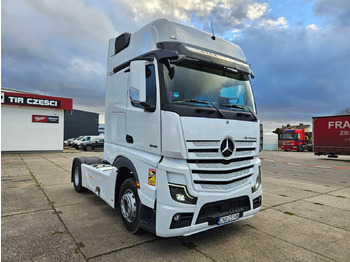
{"x": 32, "y": 122}
{"x": 80, "y": 123}
{"x": 40, "y": 123}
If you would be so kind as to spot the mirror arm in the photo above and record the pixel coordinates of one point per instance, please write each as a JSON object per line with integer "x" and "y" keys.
{"x": 148, "y": 107}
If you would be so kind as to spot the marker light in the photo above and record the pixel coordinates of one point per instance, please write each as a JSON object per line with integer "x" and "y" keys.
{"x": 257, "y": 182}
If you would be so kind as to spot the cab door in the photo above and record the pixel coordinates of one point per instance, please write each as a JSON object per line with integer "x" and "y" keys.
{"x": 143, "y": 118}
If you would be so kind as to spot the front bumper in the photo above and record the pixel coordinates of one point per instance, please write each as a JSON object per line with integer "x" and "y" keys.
{"x": 211, "y": 205}
{"x": 166, "y": 213}
{"x": 289, "y": 147}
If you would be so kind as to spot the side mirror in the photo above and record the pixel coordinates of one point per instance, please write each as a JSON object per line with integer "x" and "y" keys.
{"x": 137, "y": 88}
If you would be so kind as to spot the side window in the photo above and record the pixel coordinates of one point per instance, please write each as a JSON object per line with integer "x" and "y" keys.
{"x": 150, "y": 88}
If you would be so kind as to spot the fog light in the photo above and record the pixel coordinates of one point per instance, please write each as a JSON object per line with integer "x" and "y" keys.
{"x": 177, "y": 218}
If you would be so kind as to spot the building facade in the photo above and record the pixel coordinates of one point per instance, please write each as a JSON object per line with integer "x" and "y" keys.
{"x": 32, "y": 122}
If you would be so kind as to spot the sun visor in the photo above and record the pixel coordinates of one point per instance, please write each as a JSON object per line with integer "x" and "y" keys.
{"x": 205, "y": 55}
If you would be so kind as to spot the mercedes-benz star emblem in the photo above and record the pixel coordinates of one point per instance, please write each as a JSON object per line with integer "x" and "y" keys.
{"x": 227, "y": 146}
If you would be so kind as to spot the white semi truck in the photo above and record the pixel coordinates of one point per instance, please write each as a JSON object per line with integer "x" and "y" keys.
{"x": 182, "y": 137}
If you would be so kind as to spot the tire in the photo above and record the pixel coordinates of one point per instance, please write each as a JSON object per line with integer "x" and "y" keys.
{"x": 129, "y": 203}
{"x": 77, "y": 182}
{"x": 89, "y": 148}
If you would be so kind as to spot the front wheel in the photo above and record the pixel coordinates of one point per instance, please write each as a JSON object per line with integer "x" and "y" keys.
{"x": 129, "y": 203}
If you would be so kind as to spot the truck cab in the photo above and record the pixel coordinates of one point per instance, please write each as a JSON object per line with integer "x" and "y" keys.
{"x": 181, "y": 131}
{"x": 293, "y": 140}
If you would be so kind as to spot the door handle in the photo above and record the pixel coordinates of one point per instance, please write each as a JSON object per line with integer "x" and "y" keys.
{"x": 129, "y": 139}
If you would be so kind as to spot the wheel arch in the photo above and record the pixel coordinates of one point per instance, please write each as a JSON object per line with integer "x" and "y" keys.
{"x": 126, "y": 169}
{"x": 85, "y": 160}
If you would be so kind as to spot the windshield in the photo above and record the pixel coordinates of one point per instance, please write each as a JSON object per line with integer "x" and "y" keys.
{"x": 289, "y": 136}
{"x": 221, "y": 88}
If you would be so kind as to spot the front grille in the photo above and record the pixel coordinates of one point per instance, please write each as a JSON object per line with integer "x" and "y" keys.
{"x": 211, "y": 212}
{"x": 202, "y": 149}
{"x": 212, "y": 171}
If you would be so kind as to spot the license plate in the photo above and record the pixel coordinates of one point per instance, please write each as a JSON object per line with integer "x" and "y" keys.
{"x": 228, "y": 219}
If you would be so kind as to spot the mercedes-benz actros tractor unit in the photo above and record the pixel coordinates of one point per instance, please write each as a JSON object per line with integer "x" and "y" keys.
{"x": 182, "y": 136}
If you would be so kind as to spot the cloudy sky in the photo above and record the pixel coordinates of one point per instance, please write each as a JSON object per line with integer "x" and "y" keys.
{"x": 299, "y": 49}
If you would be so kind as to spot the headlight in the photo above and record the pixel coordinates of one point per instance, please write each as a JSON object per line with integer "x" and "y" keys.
{"x": 179, "y": 194}
{"x": 257, "y": 182}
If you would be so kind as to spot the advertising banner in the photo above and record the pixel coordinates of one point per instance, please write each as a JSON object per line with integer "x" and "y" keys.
{"x": 45, "y": 119}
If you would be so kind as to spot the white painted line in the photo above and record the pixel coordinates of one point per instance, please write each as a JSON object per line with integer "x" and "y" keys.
{"x": 304, "y": 165}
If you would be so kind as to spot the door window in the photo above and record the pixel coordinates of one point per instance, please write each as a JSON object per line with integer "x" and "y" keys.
{"x": 150, "y": 88}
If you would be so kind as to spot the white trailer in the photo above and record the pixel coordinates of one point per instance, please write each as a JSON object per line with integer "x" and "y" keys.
{"x": 182, "y": 137}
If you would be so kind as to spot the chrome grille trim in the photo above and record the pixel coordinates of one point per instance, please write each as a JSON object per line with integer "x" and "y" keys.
{"x": 220, "y": 166}
{"x": 224, "y": 187}
{"x": 222, "y": 177}
{"x": 210, "y": 149}
{"x": 209, "y": 143}
{"x": 212, "y": 171}
{"x": 207, "y": 155}
{"x": 245, "y": 144}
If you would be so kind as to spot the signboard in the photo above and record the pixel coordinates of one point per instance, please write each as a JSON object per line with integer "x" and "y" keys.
{"x": 19, "y": 99}
{"x": 45, "y": 119}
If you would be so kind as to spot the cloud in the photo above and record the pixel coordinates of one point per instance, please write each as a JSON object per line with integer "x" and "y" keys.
{"x": 59, "y": 48}
{"x": 225, "y": 14}
{"x": 180, "y": 10}
{"x": 299, "y": 72}
{"x": 337, "y": 11}
{"x": 56, "y": 47}
{"x": 312, "y": 27}
{"x": 85, "y": 66}
{"x": 75, "y": 21}
{"x": 280, "y": 22}
{"x": 256, "y": 10}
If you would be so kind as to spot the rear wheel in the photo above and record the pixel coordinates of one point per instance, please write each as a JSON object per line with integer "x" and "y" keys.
{"x": 129, "y": 203}
{"x": 89, "y": 148}
{"x": 77, "y": 177}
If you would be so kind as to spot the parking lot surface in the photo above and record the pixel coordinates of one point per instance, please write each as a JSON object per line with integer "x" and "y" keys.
{"x": 305, "y": 216}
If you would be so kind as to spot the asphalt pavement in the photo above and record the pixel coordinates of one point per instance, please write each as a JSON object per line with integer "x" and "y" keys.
{"x": 305, "y": 216}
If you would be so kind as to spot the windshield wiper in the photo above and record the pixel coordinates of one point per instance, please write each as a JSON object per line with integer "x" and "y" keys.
{"x": 206, "y": 102}
{"x": 241, "y": 107}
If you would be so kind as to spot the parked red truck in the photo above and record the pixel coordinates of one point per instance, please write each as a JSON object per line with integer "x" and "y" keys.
{"x": 294, "y": 139}
{"x": 331, "y": 135}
